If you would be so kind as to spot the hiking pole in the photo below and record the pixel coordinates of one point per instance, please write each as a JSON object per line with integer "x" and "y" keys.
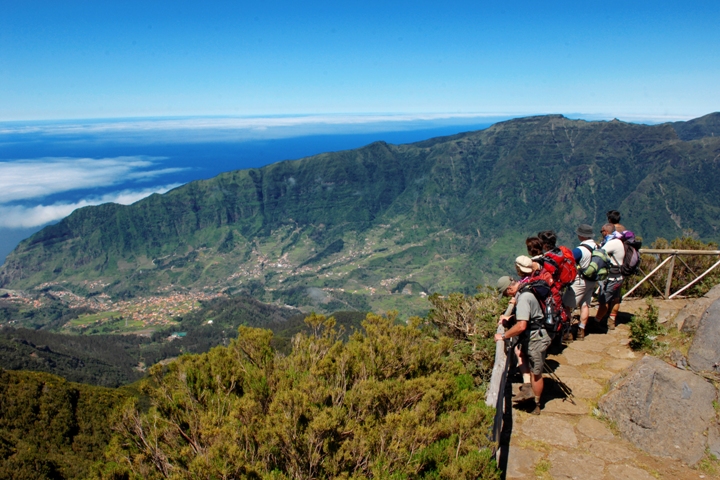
{"x": 563, "y": 386}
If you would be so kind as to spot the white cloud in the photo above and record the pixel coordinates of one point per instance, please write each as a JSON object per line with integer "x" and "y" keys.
{"x": 237, "y": 129}
{"x": 17, "y": 216}
{"x": 25, "y": 179}
{"x": 240, "y": 128}
{"x": 231, "y": 123}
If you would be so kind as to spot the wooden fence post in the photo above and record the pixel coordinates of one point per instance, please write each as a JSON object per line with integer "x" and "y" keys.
{"x": 668, "y": 283}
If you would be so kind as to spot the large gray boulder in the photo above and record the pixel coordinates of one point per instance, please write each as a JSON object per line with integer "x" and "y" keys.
{"x": 661, "y": 409}
{"x": 704, "y": 353}
{"x": 688, "y": 317}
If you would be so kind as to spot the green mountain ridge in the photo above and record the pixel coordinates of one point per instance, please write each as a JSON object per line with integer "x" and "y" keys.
{"x": 344, "y": 230}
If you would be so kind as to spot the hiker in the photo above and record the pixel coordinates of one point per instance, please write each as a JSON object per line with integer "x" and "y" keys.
{"x": 528, "y": 270}
{"x": 613, "y": 216}
{"x": 533, "y": 338}
{"x": 609, "y": 292}
{"x": 581, "y": 290}
{"x": 559, "y": 261}
{"x": 534, "y": 246}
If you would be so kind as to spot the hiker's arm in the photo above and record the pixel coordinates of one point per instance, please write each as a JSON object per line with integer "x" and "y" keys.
{"x": 508, "y": 312}
{"x": 514, "y": 331}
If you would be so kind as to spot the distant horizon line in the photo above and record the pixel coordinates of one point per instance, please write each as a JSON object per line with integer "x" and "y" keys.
{"x": 352, "y": 118}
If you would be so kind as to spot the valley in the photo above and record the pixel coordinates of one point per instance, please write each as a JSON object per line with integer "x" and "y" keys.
{"x": 381, "y": 227}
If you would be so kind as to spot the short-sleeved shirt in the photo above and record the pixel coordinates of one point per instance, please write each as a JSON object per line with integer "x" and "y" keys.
{"x": 616, "y": 251}
{"x": 583, "y": 255}
{"x": 528, "y": 309}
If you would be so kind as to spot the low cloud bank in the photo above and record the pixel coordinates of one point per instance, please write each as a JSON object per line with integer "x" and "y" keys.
{"x": 27, "y": 179}
{"x": 233, "y": 129}
{"x": 239, "y": 128}
{"x": 18, "y": 216}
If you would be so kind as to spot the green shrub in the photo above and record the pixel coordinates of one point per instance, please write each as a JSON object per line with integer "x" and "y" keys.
{"x": 471, "y": 321}
{"x": 644, "y": 329}
{"x": 393, "y": 402}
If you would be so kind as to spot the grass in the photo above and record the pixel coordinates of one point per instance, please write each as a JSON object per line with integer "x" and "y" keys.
{"x": 536, "y": 445}
{"x": 709, "y": 464}
{"x": 83, "y": 320}
{"x": 542, "y": 469}
{"x": 116, "y": 325}
{"x": 611, "y": 424}
{"x": 649, "y": 470}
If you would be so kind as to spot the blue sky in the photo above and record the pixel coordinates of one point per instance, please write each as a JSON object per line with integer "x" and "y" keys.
{"x": 631, "y": 60}
{"x": 114, "y": 100}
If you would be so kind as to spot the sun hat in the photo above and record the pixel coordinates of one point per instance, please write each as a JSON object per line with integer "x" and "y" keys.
{"x": 503, "y": 283}
{"x": 524, "y": 264}
{"x": 584, "y": 230}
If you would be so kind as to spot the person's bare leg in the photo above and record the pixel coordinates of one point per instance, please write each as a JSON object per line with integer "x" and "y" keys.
{"x": 537, "y": 387}
{"x": 522, "y": 365}
{"x": 613, "y": 315}
{"x": 537, "y": 384}
{"x": 584, "y": 315}
{"x": 526, "y": 388}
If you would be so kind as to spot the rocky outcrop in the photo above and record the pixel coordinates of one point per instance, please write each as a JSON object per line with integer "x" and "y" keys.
{"x": 687, "y": 320}
{"x": 704, "y": 353}
{"x": 661, "y": 409}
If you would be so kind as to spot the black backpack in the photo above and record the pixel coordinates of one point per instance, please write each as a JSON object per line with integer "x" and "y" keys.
{"x": 539, "y": 288}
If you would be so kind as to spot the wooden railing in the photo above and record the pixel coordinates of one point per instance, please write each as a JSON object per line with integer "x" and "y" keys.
{"x": 495, "y": 396}
{"x": 672, "y": 256}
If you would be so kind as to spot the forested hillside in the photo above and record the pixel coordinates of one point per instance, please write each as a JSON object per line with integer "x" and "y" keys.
{"x": 52, "y": 428}
{"x": 390, "y": 399}
{"x": 382, "y": 226}
{"x": 393, "y": 401}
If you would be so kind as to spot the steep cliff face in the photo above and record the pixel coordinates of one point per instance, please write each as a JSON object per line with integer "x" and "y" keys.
{"x": 443, "y": 213}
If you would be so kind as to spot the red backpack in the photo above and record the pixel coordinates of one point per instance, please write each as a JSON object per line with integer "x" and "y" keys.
{"x": 560, "y": 262}
{"x": 561, "y": 265}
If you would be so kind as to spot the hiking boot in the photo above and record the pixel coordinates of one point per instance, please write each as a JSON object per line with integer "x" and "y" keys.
{"x": 611, "y": 323}
{"x": 580, "y": 334}
{"x": 524, "y": 393}
{"x": 536, "y": 411}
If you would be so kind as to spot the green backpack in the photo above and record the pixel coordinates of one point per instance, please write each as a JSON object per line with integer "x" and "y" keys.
{"x": 599, "y": 266}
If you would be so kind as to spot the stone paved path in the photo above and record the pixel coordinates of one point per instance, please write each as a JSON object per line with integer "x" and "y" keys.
{"x": 568, "y": 441}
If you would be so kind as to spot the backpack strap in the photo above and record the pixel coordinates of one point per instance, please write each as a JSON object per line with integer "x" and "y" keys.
{"x": 533, "y": 324}
{"x": 588, "y": 248}
{"x": 614, "y": 269}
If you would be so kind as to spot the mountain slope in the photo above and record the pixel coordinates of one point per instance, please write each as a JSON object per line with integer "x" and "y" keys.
{"x": 344, "y": 230}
